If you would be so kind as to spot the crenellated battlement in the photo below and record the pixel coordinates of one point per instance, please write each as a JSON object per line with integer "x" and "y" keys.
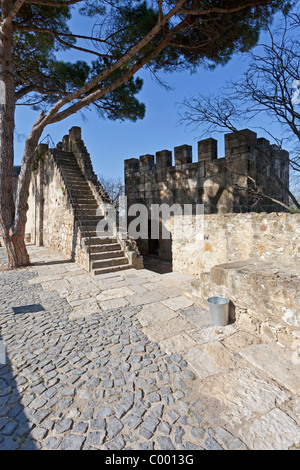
{"x": 243, "y": 145}
{"x": 243, "y": 180}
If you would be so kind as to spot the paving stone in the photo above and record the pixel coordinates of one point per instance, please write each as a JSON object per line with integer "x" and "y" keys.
{"x": 146, "y": 446}
{"x": 165, "y": 443}
{"x": 153, "y": 397}
{"x": 116, "y": 444}
{"x": 38, "y": 433}
{"x": 107, "y": 383}
{"x": 9, "y": 429}
{"x": 95, "y": 439}
{"x": 132, "y": 421}
{"x": 98, "y": 424}
{"x": 178, "y": 303}
{"x": 52, "y": 443}
{"x": 179, "y": 433}
{"x": 224, "y": 436}
{"x": 172, "y": 416}
{"x": 63, "y": 426}
{"x": 104, "y": 412}
{"x": 72, "y": 442}
{"x": 114, "y": 426}
{"x": 197, "y": 433}
{"x": 211, "y": 444}
{"x": 37, "y": 403}
{"x": 9, "y": 444}
{"x": 50, "y": 392}
{"x": 144, "y": 432}
{"x": 116, "y": 379}
{"x": 164, "y": 428}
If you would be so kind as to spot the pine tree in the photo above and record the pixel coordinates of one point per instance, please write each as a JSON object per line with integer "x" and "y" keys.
{"x": 127, "y": 35}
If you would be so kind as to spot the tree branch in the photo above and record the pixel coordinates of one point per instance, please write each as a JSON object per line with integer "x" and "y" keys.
{"x": 49, "y": 3}
{"x": 223, "y": 10}
{"x": 106, "y": 73}
{"x": 11, "y": 15}
{"x": 57, "y": 35}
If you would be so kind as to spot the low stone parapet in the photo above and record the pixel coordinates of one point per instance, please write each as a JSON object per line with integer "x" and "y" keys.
{"x": 265, "y": 296}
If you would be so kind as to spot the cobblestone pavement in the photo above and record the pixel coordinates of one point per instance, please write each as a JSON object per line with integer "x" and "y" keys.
{"x": 100, "y": 381}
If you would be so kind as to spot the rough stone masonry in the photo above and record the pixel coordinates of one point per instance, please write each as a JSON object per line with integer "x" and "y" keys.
{"x": 223, "y": 185}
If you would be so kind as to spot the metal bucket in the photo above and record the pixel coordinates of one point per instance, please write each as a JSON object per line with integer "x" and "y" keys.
{"x": 219, "y": 310}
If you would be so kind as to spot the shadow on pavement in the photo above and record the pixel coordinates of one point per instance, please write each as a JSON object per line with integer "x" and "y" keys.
{"x": 14, "y": 426}
{"x": 157, "y": 265}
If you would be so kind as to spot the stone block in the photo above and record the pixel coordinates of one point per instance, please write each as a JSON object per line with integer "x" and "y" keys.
{"x": 274, "y": 430}
{"x": 75, "y": 134}
{"x": 168, "y": 329}
{"x": 183, "y": 154}
{"x": 132, "y": 165}
{"x": 154, "y": 314}
{"x": 146, "y": 162}
{"x": 276, "y": 362}
{"x": 207, "y": 149}
{"x": 163, "y": 159}
{"x": 209, "y": 359}
{"x": 178, "y": 303}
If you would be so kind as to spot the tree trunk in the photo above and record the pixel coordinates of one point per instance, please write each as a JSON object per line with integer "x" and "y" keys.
{"x": 16, "y": 251}
{"x": 13, "y": 213}
{"x": 7, "y": 111}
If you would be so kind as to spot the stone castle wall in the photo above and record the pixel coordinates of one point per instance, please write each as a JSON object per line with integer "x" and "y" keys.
{"x": 233, "y": 184}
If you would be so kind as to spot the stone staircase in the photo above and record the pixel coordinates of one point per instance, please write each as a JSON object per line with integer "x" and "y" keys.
{"x": 105, "y": 253}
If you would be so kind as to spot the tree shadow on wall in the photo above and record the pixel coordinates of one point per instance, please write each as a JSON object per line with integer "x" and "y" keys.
{"x": 14, "y": 425}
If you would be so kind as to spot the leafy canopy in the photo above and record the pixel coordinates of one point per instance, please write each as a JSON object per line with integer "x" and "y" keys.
{"x": 185, "y": 41}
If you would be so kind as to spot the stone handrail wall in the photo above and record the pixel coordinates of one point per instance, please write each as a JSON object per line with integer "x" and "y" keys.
{"x": 73, "y": 143}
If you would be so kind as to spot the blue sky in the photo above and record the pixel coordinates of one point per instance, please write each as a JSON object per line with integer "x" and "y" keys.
{"x": 110, "y": 143}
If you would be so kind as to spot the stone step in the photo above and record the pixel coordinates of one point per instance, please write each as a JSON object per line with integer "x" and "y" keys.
{"x": 76, "y": 196}
{"x": 108, "y": 254}
{"x": 99, "y": 249}
{"x": 91, "y": 221}
{"x": 75, "y": 175}
{"x": 72, "y": 170}
{"x": 87, "y": 212}
{"x": 67, "y": 159}
{"x": 78, "y": 181}
{"x": 93, "y": 205}
{"x": 80, "y": 202}
{"x": 111, "y": 269}
{"x": 96, "y": 241}
{"x": 88, "y": 193}
{"x": 60, "y": 159}
{"x": 64, "y": 152}
{"x": 72, "y": 176}
{"x": 109, "y": 262}
{"x": 78, "y": 178}
{"x": 94, "y": 249}
{"x": 86, "y": 199}
{"x": 69, "y": 163}
{"x": 92, "y": 232}
{"x": 80, "y": 187}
